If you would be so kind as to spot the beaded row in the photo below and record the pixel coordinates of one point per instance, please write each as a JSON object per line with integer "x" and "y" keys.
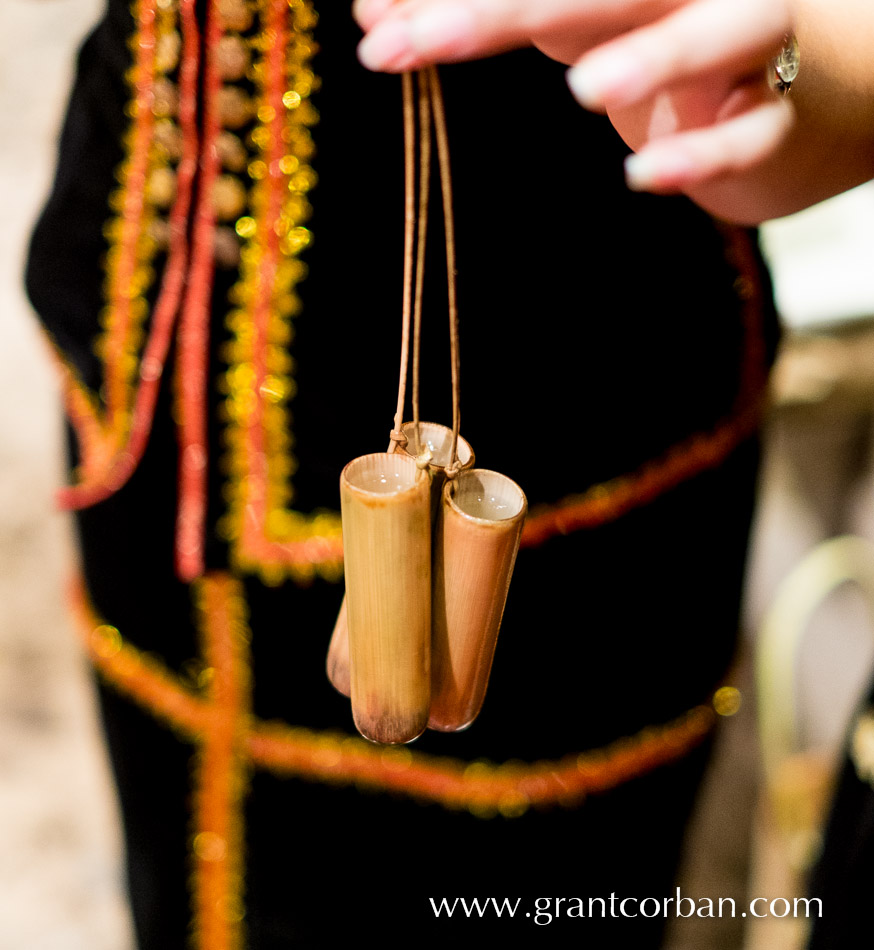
{"x": 266, "y": 535}
{"x": 115, "y": 440}
{"x": 128, "y": 268}
{"x": 483, "y": 788}
{"x": 220, "y": 777}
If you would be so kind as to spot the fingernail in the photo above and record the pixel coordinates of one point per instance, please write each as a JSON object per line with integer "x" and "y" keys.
{"x": 387, "y": 46}
{"x": 443, "y": 29}
{"x": 648, "y": 171}
{"x": 367, "y": 12}
{"x": 403, "y": 44}
{"x": 601, "y": 79}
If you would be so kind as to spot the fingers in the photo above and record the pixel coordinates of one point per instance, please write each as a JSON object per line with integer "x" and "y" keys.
{"x": 418, "y": 33}
{"x": 408, "y": 34}
{"x": 679, "y": 162}
{"x": 731, "y": 37}
{"x": 368, "y": 12}
{"x": 697, "y": 55}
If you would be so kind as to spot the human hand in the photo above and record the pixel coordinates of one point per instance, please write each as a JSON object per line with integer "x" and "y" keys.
{"x": 684, "y": 81}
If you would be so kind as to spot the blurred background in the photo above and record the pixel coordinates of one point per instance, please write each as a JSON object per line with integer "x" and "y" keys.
{"x": 60, "y": 885}
{"x": 59, "y": 857}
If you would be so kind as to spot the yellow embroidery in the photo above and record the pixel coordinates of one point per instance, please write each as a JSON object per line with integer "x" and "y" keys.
{"x": 483, "y": 788}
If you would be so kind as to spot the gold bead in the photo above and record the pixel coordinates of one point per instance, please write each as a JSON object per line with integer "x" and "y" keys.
{"x": 235, "y": 107}
{"x": 209, "y": 846}
{"x": 159, "y": 232}
{"x": 228, "y": 197}
{"x": 257, "y": 170}
{"x": 167, "y": 51}
{"x": 305, "y": 17}
{"x": 246, "y": 227}
{"x": 727, "y": 701}
{"x": 232, "y": 152}
{"x": 106, "y": 641}
{"x": 302, "y": 181}
{"x": 165, "y": 98}
{"x": 161, "y": 187}
{"x": 232, "y": 57}
{"x": 297, "y": 208}
{"x": 235, "y": 15}
{"x": 273, "y": 389}
{"x": 260, "y": 137}
{"x": 168, "y": 136}
{"x": 288, "y": 164}
{"x": 295, "y": 241}
{"x": 226, "y": 248}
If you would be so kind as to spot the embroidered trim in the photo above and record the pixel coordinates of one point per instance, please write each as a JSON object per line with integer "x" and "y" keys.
{"x": 192, "y": 363}
{"x": 112, "y": 443}
{"x": 221, "y": 768}
{"x": 483, "y": 788}
{"x": 266, "y": 536}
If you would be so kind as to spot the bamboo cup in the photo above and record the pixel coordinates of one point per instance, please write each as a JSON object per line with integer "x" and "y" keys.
{"x": 475, "y": 545}
{"x": 437, "y": 439}
{"x": 386, "y": 509}
{"x": 338, "y": 654}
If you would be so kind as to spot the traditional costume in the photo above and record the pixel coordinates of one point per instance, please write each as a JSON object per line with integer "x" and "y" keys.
{"x": 219, "y": 266}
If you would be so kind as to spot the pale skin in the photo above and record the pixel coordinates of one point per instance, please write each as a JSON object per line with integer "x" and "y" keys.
{"x": 684, "y": 83}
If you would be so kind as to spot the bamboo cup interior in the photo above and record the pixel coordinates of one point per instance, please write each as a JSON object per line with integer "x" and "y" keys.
{"x": 382, "y": 474}
{"x": 438, "y": 439}
{"x": 486, "y": 496}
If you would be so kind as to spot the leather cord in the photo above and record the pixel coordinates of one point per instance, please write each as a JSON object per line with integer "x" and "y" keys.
{"x": 431, "y": 110}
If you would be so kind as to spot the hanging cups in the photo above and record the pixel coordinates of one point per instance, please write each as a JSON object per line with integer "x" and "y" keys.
{"x": 386, "y": 509}
{"x": 475, "y": 545}
{"x": 436, "y": 440}
{"x": 380, "y": 651}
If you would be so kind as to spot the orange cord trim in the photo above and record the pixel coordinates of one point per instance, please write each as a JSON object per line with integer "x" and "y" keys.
{"x": 481, "y": 787}
{"x": 140, "y": 676}
{"x": 702, "y": 452}
{"x": 221, "y": 770}
{"x": 192, "y": 362}
{"x": 113, "y": 442}
{"x": 266, "y": 536}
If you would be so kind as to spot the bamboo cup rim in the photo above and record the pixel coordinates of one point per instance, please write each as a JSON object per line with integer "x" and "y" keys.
{"x": 437, "y": 438}
{"x": 382, "y": 474}
{"x": 486, "y": 497}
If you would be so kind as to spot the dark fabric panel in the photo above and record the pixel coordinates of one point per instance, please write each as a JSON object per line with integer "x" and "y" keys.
{"x": 599, "y": 327}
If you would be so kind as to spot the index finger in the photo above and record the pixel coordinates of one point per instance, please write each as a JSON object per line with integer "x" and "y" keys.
{"x": 413, "y": 33}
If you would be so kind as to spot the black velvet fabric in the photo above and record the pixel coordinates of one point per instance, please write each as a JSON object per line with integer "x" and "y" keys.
{"x": 599, "y": 327}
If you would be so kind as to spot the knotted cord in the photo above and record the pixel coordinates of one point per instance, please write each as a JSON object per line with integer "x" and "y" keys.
{"x": 431, "y": 111}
